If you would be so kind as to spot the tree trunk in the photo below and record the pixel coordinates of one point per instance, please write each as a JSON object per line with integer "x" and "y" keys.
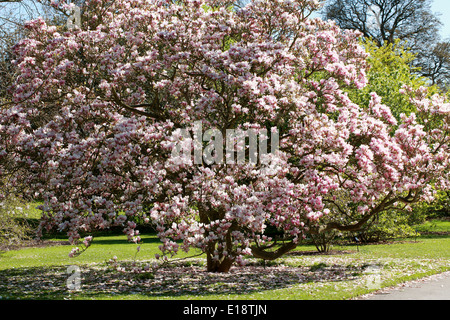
{"x": 218, "y": 266}
{"x": 224, "y": 262}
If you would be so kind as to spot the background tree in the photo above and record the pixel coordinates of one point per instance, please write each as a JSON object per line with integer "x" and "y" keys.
{"x": 14, "y": 228}
{"x": 410, "y": 21}
{"x": 389, "y": 75}
{"x": 435, "y": 64}
{"x": 384, "y": 21}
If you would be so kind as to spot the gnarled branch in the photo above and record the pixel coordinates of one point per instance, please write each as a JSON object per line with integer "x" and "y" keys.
{"x": 273, "y": 255}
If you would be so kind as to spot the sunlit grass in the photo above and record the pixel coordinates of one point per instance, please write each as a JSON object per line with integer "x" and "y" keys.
{"x": 338, "y": 276}
{"x": 435, "y": 225}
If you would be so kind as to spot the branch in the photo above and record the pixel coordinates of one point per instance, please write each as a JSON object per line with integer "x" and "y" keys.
{"x": 134, "y": 109}
{"x": 353, "y": 227}
{"x": 182, "y": 259}
{"x": 273, "y": 255}
{"x": 358, "y": 225}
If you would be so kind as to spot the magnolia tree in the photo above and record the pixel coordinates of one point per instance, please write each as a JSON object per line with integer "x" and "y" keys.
{"x": 125, "y": 116}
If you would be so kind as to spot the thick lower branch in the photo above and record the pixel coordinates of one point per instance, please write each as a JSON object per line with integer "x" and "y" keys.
{"x": 352, "y": 227}
{"x": 384, "y": 205}
{"x": 273, "y": 255}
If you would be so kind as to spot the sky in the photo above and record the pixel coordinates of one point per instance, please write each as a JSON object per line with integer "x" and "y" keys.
{"x": 443, "y": 8}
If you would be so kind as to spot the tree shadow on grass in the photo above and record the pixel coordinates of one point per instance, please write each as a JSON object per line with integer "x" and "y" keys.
{"x": 170, "y": 281}
{"x": 33, "y": 283}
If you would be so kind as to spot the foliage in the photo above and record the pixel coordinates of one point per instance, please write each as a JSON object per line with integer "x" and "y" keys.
{"x": 386, "y": 21}
{"x": 97, "y": 111}
{"x": 389, "y": 75}
{"x": 14, "y": 229}
{"x": 410, "y": 22}
{"x": 434, "y": 227}
{"x": 324, "y": 241}
{"x": 440, "y": 207}
{"x": 388, "y": 226}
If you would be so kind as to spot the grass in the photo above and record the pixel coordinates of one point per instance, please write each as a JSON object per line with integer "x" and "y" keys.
{"x": 435, "y": 226}
{"x": 103, "y": 249}
{"x": 41, "y": 272}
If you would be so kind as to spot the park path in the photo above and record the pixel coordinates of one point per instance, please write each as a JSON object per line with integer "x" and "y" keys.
{"x": 436, "y": 287}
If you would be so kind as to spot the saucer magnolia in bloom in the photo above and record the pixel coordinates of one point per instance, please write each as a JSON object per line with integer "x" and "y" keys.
{"x": 92, "y": 120}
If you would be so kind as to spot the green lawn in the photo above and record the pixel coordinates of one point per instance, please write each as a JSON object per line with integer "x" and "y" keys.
{"x": 103, "y": 249}
{"x": 41, "y": 272}
{"x": 435, "y": 226}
